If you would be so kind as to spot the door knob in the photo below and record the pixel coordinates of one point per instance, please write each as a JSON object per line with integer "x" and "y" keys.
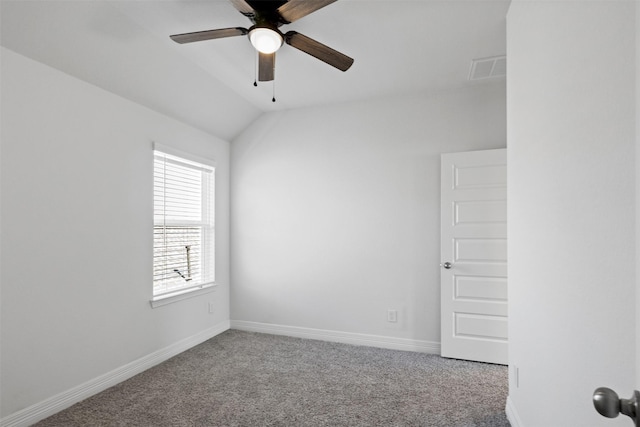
{"x": 446, "y": 265}
{"x": 608, "y": 404}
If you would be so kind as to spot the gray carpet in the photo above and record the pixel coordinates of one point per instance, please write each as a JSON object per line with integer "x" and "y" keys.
{"x": 248, "y": 379}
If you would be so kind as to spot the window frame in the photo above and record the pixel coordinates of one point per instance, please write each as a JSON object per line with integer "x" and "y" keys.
{"x": 205, "y": 286}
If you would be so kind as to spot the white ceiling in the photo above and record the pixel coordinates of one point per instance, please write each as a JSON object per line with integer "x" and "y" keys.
{"x": 399, "y": 46}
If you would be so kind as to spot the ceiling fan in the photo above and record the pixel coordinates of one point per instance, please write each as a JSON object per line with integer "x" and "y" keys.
{"x": 267, "y": 16}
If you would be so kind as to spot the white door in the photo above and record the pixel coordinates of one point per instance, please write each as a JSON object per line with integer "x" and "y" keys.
{"x": 474, "y": 256}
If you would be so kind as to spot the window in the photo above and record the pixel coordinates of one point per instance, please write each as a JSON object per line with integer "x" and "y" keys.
{"x": 183, "y": 225}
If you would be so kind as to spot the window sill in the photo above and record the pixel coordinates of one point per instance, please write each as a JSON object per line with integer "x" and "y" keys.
{"x": 161, "y": 300}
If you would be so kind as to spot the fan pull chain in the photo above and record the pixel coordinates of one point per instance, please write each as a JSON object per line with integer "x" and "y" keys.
{"x": 255, "y": 73}
{"x": 255, "y": 77}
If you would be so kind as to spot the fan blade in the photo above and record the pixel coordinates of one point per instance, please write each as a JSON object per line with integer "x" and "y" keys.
{"x": 296, "y": 9}
{"x": 266, "y": 66}
{"x": 323, "y": 53}
{"x": 209, "y": 35}
{"x": 243, "y": 7}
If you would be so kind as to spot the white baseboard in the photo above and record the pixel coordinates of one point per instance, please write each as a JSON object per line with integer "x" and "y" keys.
{"x": 52, "y": 405}
{"x": 341, "y": 337}
{"x": 512, "y": 414}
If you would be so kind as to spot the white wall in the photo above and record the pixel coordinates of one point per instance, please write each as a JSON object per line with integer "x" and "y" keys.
{"x": 76, "y": 233}
{"x": 570, "y": 132}
{"x": 336, "y": 211}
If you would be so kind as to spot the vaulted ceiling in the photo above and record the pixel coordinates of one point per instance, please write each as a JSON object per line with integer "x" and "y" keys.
{"x": 400, "y": 47}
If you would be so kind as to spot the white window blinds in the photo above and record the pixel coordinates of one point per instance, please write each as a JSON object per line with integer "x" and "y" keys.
{"x": 183, "y": 224}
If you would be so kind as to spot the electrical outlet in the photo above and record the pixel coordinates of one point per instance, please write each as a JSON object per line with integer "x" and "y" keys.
{"x": 516, "y": 376}
{"x": 392, "y": 316}
{"x": 211, "y": 308}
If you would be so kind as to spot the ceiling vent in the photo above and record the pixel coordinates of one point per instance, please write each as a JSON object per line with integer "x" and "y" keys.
{"x": 486, "y": 68}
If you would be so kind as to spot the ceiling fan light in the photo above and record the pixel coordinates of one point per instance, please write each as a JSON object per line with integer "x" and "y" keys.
{"x": 265, "y": 40}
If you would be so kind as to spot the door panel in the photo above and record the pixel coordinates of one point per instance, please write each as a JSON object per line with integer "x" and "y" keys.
{"x": 474, "y": 239}
{"x": 480, "y": 288}
{"x": 480, "y": 250}
{"x": 480, "y": 212}
{"x": 483, "y": 326}
{"x": 482, "y": 176}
